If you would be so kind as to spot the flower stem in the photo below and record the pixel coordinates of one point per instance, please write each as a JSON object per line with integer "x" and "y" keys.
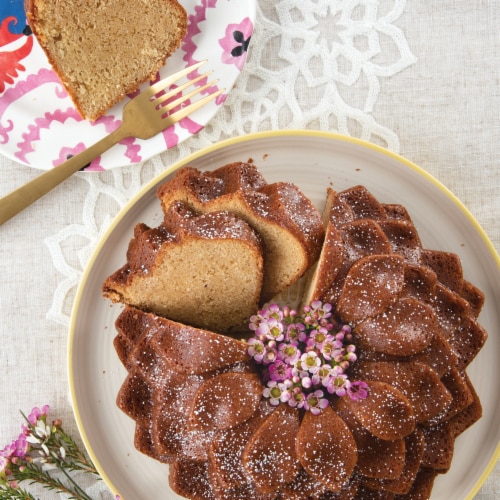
{"x": 61, "y": 467}
{"x": 9, "y": 493}
{"x": 80, "y": 461}
{"x": 36, "y": 474}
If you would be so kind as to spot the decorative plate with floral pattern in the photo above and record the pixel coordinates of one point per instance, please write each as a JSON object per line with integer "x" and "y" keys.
{"x": 39, "y": 125}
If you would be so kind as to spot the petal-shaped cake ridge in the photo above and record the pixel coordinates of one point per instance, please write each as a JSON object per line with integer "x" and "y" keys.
{"x": 172, "y": 434}
{"x": 362, "y": 203}
{"x": 377, "y": 458}
{"x": 468, "y": 416}
{"x": 303, "y": 486}
{"x": 439, "y": 446}
{"x": 130, "y": 326}
{"x": 146, "y": 360}
{"x": 403, "y": 238}
{"x": 420, "y": 282}
{"x": 386, "y": 413}
{"x": 225, "y": 400}
{"x": 460, "y": 329}
{"x": 135, "y": 398}
{"x": 414, "y": 446}
{"x": 190, "y": 479}
{"x": 425, "y": 392}
{"x": 447, "y": 267}
{"x": 438, "y": 355}
{"x": 396, "y": 212}
{"x": 226, "y": 450}
{"x": 422, "y": 486}
{"x": 329, "y": 457}
{"x": 193, "y": 350}
{"x": 461, "y": 395}
{"x": 403, "y": 329}
{"x": 143, "y": 441}
{"x": 371, "y": 286}
{"x": 474, "y": 297}
{"x": 467, "y": 340}
{"x": 336, "y": 210}
{"x": 270, "y": 457}
{"x": 451, "y": 309}
{"x": 207, "y": 186}
{"x": 343, "y": 246}
{"x": 362, "y": 238}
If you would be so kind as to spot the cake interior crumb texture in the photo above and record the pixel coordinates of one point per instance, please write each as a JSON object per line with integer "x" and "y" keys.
{"x": 104, "y": 49}
{"x": 203, "y": 283}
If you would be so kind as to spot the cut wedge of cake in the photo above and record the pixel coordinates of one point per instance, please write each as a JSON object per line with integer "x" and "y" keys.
{"x": 103, "y": 50}
{"x": 201, "y": 269}
{"x": 288, "y": 222}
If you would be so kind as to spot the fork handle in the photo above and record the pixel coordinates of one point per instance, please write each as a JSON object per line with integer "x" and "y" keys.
{"x": 24, "y": 196}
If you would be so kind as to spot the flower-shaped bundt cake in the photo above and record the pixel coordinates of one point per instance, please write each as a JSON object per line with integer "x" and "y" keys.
{"x": 362, "y": 398}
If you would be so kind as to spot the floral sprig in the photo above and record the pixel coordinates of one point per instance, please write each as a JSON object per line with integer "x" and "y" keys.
{"x": 39, "y": 452}
{"x": 304, "y": 358}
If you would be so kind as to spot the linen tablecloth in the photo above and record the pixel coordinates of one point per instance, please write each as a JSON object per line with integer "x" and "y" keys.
{"x": 421, "y": 78}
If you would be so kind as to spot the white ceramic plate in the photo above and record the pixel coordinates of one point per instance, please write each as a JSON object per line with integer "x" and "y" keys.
{"x": 38, "y": 123}
{"x": 312, "y": 160}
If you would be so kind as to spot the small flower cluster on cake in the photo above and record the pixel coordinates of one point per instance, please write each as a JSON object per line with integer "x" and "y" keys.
{"x": 305, "y": 357}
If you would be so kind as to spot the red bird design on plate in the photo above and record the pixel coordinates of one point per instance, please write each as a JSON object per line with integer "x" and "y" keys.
{"x": 14, "y": 47}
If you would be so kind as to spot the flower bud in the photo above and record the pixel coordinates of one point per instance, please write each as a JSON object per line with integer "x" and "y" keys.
{"x": 306, "y": 382}
{"x": 351, "y": 357}
{"x": 344, "y": 365}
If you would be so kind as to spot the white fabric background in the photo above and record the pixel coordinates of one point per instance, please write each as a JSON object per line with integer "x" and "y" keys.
{"x": 419, "y": 77}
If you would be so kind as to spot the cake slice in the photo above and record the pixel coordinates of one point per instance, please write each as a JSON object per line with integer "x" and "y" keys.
{"x": 102, "y": 51}
{"x": 204, "y": 270}
{"x": 286, "y": 219}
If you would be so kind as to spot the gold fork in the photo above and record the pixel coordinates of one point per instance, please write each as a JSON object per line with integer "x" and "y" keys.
{"x": 143, "y": 117}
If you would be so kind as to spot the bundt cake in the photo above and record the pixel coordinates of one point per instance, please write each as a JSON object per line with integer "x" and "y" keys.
{"x": 360, "y": 393}
{"x": 102, "y": 51}
{"x": 288, "y": 222}
{"x": 201, "y": 269}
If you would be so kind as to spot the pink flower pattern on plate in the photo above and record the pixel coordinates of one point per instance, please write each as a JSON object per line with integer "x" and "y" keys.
{"x": 235, "y": 43}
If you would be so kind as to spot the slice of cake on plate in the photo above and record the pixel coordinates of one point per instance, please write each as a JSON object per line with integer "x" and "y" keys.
{"x": 103, "y": 50}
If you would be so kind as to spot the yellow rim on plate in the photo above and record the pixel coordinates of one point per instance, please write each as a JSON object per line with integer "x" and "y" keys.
{"x": 214, "y": 148}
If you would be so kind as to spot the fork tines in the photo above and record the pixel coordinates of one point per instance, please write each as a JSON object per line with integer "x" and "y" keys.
{"x": 174, "y": 98}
